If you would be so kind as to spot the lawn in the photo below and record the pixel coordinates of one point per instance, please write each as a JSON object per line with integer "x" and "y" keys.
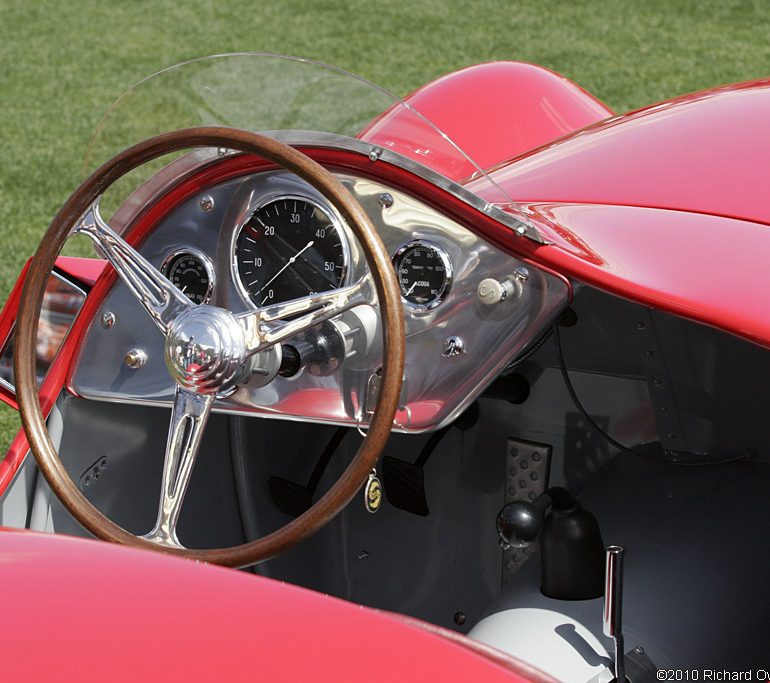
{"x": 62, "y": 63}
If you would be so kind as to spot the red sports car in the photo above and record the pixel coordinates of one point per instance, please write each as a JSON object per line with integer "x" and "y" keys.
{"x": 469, "y": 386}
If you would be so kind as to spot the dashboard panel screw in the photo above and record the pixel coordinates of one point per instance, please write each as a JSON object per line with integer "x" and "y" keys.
{"x": 521, "y": 274}
{"x": 386, "y": 200}
{"x": 207, "y": 203}
{"x": 459, "y": 618}
{"x": 374, "y": 154}
{"x": 453, "y": 347}
{"x": 108, "y": 319}
{"x": 136, "y": 358}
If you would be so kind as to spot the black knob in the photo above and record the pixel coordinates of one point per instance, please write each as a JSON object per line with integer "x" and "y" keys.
{"x": 519, "y": 524}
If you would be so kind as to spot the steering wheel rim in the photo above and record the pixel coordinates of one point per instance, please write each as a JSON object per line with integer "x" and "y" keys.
{"x": 383, "y": 276}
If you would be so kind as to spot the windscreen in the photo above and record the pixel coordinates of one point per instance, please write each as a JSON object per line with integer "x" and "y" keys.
{"x": 298, "y": 101}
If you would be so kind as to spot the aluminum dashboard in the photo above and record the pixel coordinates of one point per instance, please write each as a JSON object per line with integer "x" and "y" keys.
{"x": 454, "y": 348}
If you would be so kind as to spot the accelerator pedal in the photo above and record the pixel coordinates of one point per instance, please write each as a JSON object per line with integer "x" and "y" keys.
{"x": 528, "y": 468}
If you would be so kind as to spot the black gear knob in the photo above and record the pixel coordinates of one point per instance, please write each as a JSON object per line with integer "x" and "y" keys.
{"x": 519, "y": 524}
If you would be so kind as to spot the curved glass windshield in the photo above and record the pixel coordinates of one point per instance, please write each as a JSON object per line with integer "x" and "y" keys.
{"x": 298, "y": 101}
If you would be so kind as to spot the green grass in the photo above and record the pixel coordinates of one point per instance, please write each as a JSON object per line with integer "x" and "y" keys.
{"x": 62, "y": 63}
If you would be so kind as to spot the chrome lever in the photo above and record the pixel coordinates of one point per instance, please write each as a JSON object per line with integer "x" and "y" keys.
{"x": 612, "y": 621}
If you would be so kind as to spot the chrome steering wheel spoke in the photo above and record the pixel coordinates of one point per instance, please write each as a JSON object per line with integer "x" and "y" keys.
{"x": 269, "y": 325}
{"x": 161, "y": 299}
{"x": 188, "y": 420}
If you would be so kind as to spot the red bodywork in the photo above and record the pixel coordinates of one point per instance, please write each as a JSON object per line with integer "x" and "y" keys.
{"x": 113, "y": 614}
{"x": 491, "y": 111}
{"x": 703, "y": 153}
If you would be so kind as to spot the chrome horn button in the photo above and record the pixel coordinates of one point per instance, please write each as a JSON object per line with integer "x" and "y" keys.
{"x": 205, "y": 349}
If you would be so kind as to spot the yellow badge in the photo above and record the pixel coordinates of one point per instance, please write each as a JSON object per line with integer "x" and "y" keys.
{"x": 373, "y": 493}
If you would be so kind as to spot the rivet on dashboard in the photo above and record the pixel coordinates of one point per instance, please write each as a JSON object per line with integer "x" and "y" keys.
{"x": 108, "y": 319}
{"x": 521, "y": 274}
{"x": 207, "y": 203}
{"x": 374, "y": 154}
{"x": 521, "y": 231}
{"x": 386, "y": 200}
{"x": 221, "y": 151}
{"x": 136, "y": 358}
{"x": 453, "y": 347}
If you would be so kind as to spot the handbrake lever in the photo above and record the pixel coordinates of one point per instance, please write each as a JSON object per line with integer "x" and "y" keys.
{"x": 613, "y": 606}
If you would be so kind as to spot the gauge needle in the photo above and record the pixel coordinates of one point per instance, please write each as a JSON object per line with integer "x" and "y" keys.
{"x": 414, "y": 284}
{"x": 283, "y": 241}
{"x": 288, "y": 263}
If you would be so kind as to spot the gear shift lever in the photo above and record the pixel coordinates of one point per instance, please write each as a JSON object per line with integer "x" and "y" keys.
{"x": 571, "y": 548}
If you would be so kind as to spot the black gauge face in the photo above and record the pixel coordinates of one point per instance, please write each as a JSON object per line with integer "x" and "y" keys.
{"x": 190, "y": 274}
{"x": 289, "y": 248}
{"x": 424, "y": 273}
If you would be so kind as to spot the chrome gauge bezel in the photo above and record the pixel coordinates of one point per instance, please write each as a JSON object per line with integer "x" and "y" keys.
{"x": 263, "y": 201}
{"x": 448, "y": 272}
{"x": 205, "y": 260}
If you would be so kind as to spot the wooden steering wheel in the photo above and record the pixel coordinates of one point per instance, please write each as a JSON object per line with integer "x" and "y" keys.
{"x": 208, "y": 349}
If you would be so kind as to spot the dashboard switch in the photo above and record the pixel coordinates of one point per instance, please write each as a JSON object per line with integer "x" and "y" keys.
{"x": 491, "y": 291}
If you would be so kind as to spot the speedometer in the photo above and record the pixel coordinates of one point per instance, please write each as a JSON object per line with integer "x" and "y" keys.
{"x": 424, "y": 274}
{"x": 289, "y": 247}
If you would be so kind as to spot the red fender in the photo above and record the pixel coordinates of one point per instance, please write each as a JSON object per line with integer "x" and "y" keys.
{"x": 492, "y": 111}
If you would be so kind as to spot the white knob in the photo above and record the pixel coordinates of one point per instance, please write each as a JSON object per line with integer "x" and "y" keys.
{"x": 490, "y": 291}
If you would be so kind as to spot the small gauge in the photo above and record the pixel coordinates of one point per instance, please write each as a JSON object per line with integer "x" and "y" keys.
{"x": 424, "y": 273}
{"x": 191, "y": 273}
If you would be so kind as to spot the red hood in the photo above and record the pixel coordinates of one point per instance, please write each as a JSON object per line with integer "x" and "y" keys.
{"x": 706, "y": 153}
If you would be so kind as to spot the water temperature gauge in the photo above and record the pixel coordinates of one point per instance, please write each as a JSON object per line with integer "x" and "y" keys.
{"x": 191, "y": 273}
{"x": 424, "y": 273}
